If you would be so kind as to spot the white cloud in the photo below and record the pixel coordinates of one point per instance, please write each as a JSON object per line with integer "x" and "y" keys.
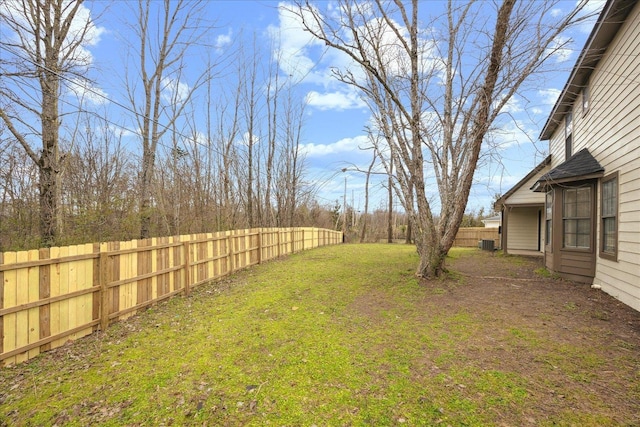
{"x": 246, "y": 137}
{"x": 222, "y": 41}
{"x": 593, "y": 9}
{"x": 561, "y": 49}
{"x": 512, "y": 106}
{"x": 173, "y": 90}
{"x": 293, "y": 43}
{"x": 511, "y": 133}
{"x": 549, "y": 96}
{"x": 341, "y": 146}
{"x": 121, "y": 131}
{"x": 81, "y": 26}
{"x": 335, "y": 100}
{"x": 557, "y": 12}
{"x": 85, "y": 92}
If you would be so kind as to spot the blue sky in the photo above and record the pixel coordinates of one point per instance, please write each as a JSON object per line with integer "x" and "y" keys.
{"x": 335, "y": 117}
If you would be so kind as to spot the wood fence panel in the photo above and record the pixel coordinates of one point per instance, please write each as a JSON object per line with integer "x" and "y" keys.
{"x": 468, "y": 237}
{"x": 69, "y": 281}
{"x": 241, "y": 250}
{"x": 50, "y": 296}
{"x": 10, "y": 295}
{"x": 62, "y": 275}
{"x": 72, "y": 270}
{"x": 113, "y": 274}
{"x": 1, "y": 305}
{"x": 144, "y": 292}
{"x": 127, "y": 291}
{"x": 84, "y": 281}
{"x": 161, "y": 262}
{"x": 225, "y": 249}
{"x": 33, "y": 282}
{"x": 96, "y": 297}
{"x": 209, "y": 257}
{"x": 176, "y": 258}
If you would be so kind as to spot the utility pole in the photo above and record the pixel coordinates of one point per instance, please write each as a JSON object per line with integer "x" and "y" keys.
{"x": 390, "y": 219}
{"x": 344, "y": 205}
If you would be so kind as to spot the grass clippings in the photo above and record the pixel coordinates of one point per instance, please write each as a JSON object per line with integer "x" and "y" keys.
{"x": 347, "y": 335}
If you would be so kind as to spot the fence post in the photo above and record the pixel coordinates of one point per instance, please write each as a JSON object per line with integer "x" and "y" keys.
{"x": 104, "y": 290}
{"x": 231, "y": 253}
{"x": 278, "y": 242}
{"x": 259, "y": 245}
{"x": 187, "y": 269}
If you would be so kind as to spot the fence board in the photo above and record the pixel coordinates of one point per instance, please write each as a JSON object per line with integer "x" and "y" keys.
{"x": 64, "y": 307}
{"x": 96, "y": 296}
{"x": 10, "y": 292}
{"x": 1, "y": 304}
{"x": 113, "y": 273}
{"x": 22, "y": 297}
{"x": 33, "y": 283}
{"x": 50, "y": 296}
{"x": 469, "y": 236}
{"x": 86, "y": 282}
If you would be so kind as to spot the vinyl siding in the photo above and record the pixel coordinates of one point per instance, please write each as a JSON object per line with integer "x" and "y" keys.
{"x": 524, "y": 196}
{"x": 611, "y": 131}
{"x": 523, "y": 229}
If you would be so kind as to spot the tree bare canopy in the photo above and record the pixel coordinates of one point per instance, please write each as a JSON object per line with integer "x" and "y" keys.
{"x": 435, "y": 89}
{"x": 41, "y": 50}
{"x": 161, "y": 63}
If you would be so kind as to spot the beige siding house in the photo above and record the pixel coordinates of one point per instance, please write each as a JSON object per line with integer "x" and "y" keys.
{"x": 590, "y": 227}
{"x": 523, "y": 215}
{"x": 492, "y": 222}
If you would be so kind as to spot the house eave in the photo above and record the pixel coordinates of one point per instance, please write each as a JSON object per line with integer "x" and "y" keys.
{"x": 501, "y": 201}
{"x": 611, "y": 18}
{"x": 543, "y": 186}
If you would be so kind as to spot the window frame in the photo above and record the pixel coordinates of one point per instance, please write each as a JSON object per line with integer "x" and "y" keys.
{"x": 548, "y": 219}
{"x": 568, "y": 135}
{"x": 577, "y": 219}
{"x": 613, "y": 256}
{"x": 586, "y": 100}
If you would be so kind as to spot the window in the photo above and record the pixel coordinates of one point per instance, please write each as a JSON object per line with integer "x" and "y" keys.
{"x": 576, "y": 218}
{"x": 585, "y": 99}
{"x": 609, "y": 217}
{"x": 548, "y": 217}
{"x": 568, "y": 131}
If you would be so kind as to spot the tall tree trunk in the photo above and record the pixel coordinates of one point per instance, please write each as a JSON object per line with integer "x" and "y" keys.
{"x": 390, "y": 214}
{"x": 50, "y": 158}
{"x": 366, "y": 198}
{"x": 41, "y": 39}
{"x": 419, "y": 109}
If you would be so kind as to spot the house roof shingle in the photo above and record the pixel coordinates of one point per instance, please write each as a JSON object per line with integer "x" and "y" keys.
{"x": 581, "y": 165}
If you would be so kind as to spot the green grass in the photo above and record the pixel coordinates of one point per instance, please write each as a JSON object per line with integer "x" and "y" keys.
{"x": 335, "y": 336}
{"x": 543, "y": 272}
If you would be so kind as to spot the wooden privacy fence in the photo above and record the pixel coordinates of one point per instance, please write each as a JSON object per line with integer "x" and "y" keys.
{"x": 50, "y": 296}
{"x": 468, "y": 237}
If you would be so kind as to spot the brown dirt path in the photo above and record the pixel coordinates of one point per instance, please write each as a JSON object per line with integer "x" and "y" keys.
{"x": 554, "y": 319}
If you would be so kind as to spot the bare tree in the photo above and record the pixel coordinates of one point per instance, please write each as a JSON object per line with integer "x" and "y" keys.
{"x": 366, "y": 196}
{"x": 161, "y": 57}
{"x": 42, "y": 49}
{"x": 289, "y": 184}
{"x": 98, "y": 185}
{"x": 435, "y": 90}
{"x": 249, "y": 71}
{"x": 18, "y": 199}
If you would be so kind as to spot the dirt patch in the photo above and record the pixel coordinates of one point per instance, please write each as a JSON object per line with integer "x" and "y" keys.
{"x": 553, "y": 319}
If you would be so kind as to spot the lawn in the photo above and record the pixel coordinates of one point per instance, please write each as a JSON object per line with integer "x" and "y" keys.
{"x": 346, "y": 335}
